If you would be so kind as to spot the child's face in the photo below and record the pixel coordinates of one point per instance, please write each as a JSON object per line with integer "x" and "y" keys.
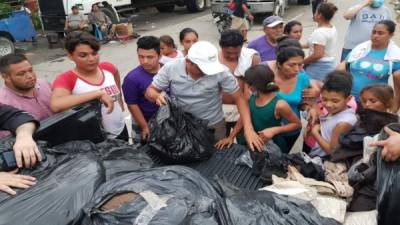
{"x": 296, "y": 32}
{"x": 334, "y": 102}
{"x": 165, "y": 49}
{"x": 369, "y": 101}
{"x": 189, "y": 40}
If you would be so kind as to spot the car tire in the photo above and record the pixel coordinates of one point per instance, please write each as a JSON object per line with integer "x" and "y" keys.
{"x": 111, "y": 14}
{"x": 6, "y": 46}
{"x": 166, "y": 8}
{"x": 195, "y": 5}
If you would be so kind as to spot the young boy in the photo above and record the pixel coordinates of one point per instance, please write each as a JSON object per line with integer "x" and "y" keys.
{"x": 335, "y": 94}
{"x": 137, "y": 81}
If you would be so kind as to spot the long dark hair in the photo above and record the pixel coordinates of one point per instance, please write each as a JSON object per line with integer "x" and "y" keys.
{"x": 262, "y": 78}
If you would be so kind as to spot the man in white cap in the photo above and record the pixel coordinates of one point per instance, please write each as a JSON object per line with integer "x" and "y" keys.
{"x": 196, "y": 83}
{"x": 266, "y": 44}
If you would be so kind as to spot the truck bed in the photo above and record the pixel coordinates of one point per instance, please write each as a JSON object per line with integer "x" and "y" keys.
{"x": 83, "y": 122}
{"x": 222, "y": 165}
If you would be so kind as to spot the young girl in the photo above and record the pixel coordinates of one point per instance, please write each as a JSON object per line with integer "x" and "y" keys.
{"x": 90, "y": 80}
{"x": 335, "y": 95}
{"x": 293, "y": 29}
{"x": 266, "y": 108}
{"x": 188, "y": 37}
{"x": 322, "y": 43}
{"x": 379, "y": 97}
{"x": 168, "y": 50}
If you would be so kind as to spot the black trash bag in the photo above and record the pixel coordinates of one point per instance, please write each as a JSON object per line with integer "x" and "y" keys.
{"x": 269, "y": 162}
{"x": 388, "y": 186}
{"x": 64, "y": 185}
{"x": 305, "y": 166}
{"x": 121, "y": 160}
{"x": 264, "y": 207}
{"x": 179, "y": 137}
{"x": 245, "y": 159}
{"x": 371, "y": 122}
{"x": 159, "y": 196}
{"x": 117, "y": 156}
{"x": 362, "y": 177}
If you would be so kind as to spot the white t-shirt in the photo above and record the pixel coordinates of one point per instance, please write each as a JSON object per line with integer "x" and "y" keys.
{"x": 114, "y": 122}
{"x": 231, "y": 112}
{"x": 362, "y": 24}
{"x": 326, "y": 36}
{"x": 164, "y": 59}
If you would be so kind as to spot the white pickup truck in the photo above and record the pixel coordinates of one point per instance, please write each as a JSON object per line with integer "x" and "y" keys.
{"x": 276, "y": 7}
{"x": 53, "y": 12}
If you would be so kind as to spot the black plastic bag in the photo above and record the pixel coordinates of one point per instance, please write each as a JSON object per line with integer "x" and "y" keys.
{"x": 271, "y": 161}
{"x": 264, "y": 207}
{"x": 350, "y": 148}
{"x": 159, "y": 196}
{"x": 179, "y": 137}
{"x": 306, "y": 166}
{"x": 116, "y": 156}
{"x": 64, "y": 185}
{"x": 388, "y": 186}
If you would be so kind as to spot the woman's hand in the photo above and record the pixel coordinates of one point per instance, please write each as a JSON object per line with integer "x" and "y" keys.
{"x": 316, "y": 130}
{"x": 10, "y": 179}
{"x": 310, "y": 93}
{"x": 267, "y": 134}
{"x": 224, "y": 143}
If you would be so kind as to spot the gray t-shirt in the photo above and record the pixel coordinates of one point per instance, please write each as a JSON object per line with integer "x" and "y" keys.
{"x": 362, "y": 23}
{"x": 75, "y": 20}
{"x": 201, "y": 97}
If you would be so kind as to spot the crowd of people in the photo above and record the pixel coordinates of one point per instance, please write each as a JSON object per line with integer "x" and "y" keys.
{"x": 247, "y": 94}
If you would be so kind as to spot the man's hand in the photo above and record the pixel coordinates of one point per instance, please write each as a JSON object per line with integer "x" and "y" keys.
{"x": 160, "y": 101}
{"x": 145, "y": 133}
{"x": 369, "y": 2}
{"x": 390, "y": 146}
{"x": 8, "y": 180}
{"x": 107, "y": 101}
{"x": 254, "y": 141}
{"x": 226, "y": 142}
{"x": 25, "y": 147}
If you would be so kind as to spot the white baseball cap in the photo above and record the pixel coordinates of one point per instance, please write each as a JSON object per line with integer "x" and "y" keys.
{"x": 205, "y": 56}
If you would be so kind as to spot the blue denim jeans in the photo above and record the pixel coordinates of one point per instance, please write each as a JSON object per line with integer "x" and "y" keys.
{"x": 319, "y": 69}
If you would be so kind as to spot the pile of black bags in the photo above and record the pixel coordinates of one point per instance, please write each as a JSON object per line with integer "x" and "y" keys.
{"x": 67, "y": 180}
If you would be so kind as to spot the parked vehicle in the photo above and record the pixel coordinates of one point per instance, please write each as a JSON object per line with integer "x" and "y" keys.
{"x": 16, "y": 27}
{"x": 54, "y": 11}
{"x": 277, "y": 7}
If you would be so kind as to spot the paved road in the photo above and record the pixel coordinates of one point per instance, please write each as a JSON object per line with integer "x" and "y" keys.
{"x": 152, "y": 23}
{"x": 145, "y": 21}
